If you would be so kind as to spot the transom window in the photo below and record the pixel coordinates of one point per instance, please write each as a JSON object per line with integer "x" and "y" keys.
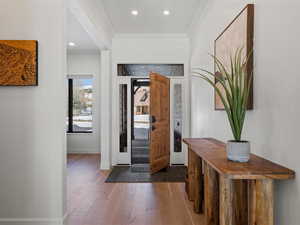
{"x": 172, "y": 70}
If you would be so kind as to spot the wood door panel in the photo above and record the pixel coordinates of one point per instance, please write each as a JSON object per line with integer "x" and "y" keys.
{"x": 160, "y": 127}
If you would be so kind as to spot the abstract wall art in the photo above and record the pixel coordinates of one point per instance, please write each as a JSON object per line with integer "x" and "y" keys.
{"x": 238, "y": 34}
{"x": 18, "y": 63}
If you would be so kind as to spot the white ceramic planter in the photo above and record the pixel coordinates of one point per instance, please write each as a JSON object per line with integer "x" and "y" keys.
{"x": 238, "y": 151}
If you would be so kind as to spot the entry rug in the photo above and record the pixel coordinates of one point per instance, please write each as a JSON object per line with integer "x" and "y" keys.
{"x": 128, "y": 174}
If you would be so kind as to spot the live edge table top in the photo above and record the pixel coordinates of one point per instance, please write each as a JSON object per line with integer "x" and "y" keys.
{"x": 213, "y": 153}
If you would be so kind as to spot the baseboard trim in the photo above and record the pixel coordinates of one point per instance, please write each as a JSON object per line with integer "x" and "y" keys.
{"x": 65, "y": 218}
{"x": 80, "y": 151}
{"x": 105, "y": 166}
{"x": 33, "y": 221}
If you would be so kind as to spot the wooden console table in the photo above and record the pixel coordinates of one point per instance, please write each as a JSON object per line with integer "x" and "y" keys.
{"x": 231, "y": 193}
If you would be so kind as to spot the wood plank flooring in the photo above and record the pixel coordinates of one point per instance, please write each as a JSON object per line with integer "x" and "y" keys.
{"x": 93, "y": 202}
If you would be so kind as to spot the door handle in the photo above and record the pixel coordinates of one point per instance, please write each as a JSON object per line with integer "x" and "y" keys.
{"x": 152, "y": 119}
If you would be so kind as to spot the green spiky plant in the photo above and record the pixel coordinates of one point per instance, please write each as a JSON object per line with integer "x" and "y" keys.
{"x": 236, "y": 83}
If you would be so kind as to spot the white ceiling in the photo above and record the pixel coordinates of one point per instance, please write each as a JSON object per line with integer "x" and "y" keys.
{"x": 150, "y": 18}
{"x": 77, "y": 34}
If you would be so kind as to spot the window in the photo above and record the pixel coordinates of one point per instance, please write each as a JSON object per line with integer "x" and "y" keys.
{"x": 177, "y": 115}
{"x": 80, "y": 104}
{"x": 146, "y": 69}
{"x": 123, "y": 117}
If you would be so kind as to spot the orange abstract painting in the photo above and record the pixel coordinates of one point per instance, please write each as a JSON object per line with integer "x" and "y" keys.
{"x": 18, "y": 63}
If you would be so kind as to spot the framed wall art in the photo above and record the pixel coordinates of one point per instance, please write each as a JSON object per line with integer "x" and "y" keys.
{"x": 238, "y": 34}
{"x": 18, "y": 63}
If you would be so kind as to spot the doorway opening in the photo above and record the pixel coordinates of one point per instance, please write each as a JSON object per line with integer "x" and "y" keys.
{"x": 139, "y": 120}
{"x": 140, "y": 124}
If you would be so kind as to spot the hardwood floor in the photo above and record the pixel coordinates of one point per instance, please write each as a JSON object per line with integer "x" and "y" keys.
{"x": 93, "y": 202}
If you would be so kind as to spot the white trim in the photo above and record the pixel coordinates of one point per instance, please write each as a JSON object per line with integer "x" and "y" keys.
{"x": 106, "y": 114}
{"x": 150, "y": 35}
{"x": 83, "y": 151}
{"x": 147, "y": 77}
{"x": 115, "y": 114}
{"x": 80, "y": 76}
{"x": 65, "y": 217}
{"x": 149, "y": 62}
{"x": 73, "y": 51}
{"x": 32, "y": 221}
{"x": 124, "y": 157}
{"x": 105, "y": 166}
{"x": 80, "y": 134}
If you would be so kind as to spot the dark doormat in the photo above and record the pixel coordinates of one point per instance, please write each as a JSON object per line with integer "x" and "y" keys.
{"x": 125, "y": 174}
{"x": 140, "y": 168}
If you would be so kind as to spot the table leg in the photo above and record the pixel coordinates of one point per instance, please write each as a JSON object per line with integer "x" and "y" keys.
{"x": 261, "y": 202}
{"x": 199, "y": 192}
{"x": 211, "y": 195}
{"x": 191, "y": 175}
{"x": 233, "y": 201}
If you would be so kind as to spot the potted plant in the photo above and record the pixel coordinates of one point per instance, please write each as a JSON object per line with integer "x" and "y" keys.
{"x": 233, "y": 86}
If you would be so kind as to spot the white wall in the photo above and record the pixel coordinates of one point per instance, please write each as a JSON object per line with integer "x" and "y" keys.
{"x": 86, "y": 64}
{"x": 273, "y": 125}
{"x": 147, "y": 48}
{"x": 150, "y": 48}
{"x": 93, "y": 18}
{"x": 32, "y": 135}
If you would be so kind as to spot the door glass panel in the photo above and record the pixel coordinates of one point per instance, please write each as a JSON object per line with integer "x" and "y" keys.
{"x": 177, "y": 117}
{"x": 123, "y": 116}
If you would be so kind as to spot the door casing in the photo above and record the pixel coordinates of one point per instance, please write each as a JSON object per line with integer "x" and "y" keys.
{"x": 125, "y": 158}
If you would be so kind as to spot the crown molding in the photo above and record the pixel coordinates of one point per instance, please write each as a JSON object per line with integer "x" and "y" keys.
{"x": 151, "y": 35}
{"x": 83, "y": 51}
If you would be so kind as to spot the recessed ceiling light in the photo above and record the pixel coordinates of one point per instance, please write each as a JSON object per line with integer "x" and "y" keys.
{"x": 166, "y": 12}
{"x": 71, "y": 44}
{"x": 134, "y": 12}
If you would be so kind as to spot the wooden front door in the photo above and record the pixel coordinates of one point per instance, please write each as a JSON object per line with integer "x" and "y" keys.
{"x": 160, "y": 122}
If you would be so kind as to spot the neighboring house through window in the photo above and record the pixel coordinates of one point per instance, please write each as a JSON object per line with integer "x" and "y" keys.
{"x": 80, "y": 104}
{"x": 142, "y": 101}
